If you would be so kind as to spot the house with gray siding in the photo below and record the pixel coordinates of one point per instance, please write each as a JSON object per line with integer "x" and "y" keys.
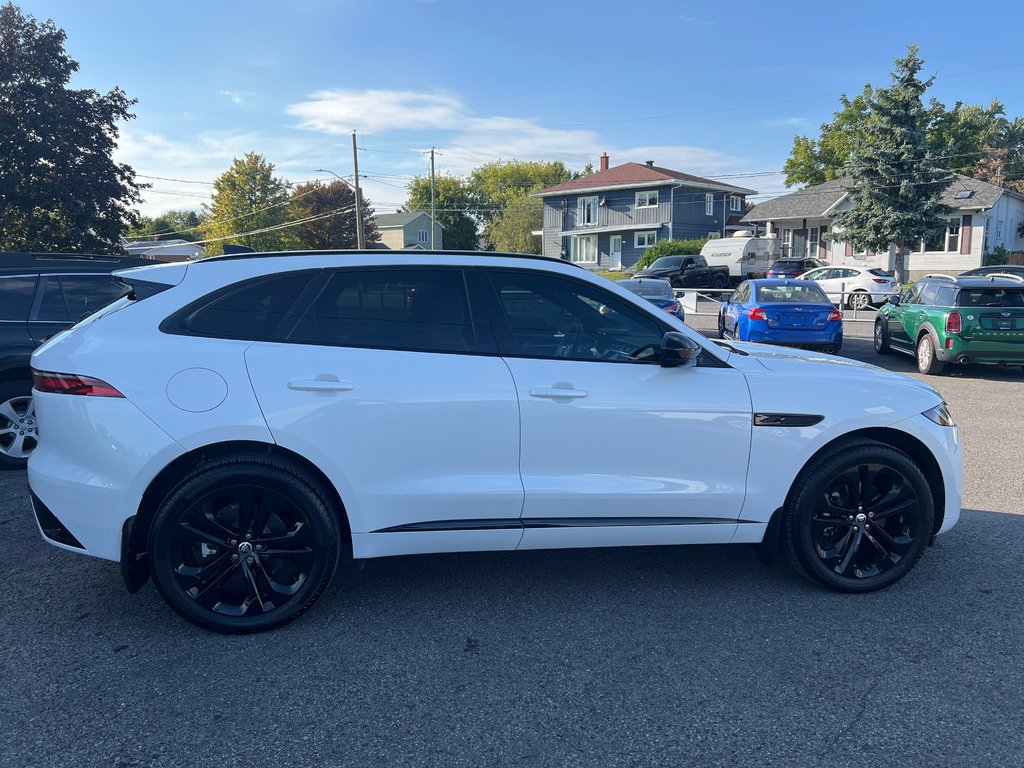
{"x": 982, "y": 217}
{"x": 608, "y": 219}
{"x": 409, "y": 230}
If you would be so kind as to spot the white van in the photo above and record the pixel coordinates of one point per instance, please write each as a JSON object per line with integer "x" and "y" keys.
{"x": 746, "y": 256}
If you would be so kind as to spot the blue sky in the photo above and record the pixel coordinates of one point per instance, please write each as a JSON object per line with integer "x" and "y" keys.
{"x": 706, "y": 88}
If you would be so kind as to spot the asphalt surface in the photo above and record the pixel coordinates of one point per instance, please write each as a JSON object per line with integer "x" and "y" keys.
{"x": 696, "y": 656}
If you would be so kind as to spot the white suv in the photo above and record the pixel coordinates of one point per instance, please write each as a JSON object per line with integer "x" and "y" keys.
{"x": 234, "y": 427}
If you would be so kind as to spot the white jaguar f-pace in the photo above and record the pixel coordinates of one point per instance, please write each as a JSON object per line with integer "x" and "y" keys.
{"x": 235, "y": 427}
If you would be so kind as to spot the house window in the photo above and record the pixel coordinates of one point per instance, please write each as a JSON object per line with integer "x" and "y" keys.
{"x": 423, "y": 235}
{"x": 646, "y": 239}
{"x": 735, "y": 203}
{"x": 812, "y": 243}
{"x": 586, "y": 211}
{"x": 646, "y": 199}
{"x": 584, "y": 249}
{"x": 787, "y": 242}
{"x": 953, "y": 235}
{"x": 943, "y": 239}
{"x": 709, "y": 204}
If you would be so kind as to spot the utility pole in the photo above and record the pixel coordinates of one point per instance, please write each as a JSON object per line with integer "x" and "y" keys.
{"x": 433, "y": 209}
{"x": 359, "y": 202}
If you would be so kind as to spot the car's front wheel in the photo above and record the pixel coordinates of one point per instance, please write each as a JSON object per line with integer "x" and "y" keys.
{"x": 17, "y": 424}
{"x": 881, "y": 338}
{"x": 927, "y": 362}
{"x": 859, "y": 518}
{"x": 244, "y": 544}
{"x": 721, "y": 327}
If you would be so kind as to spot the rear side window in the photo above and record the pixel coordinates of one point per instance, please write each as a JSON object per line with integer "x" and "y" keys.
{"x": 252, "y": 310}
{"x": 946, "y": 296}
{"x": 991, "y": 297}
{"x": 421, "y": 310}
{"x": 16, "y": 297}
{"x": 69, "y": 298}
{"x": 928, "y": 294}
{"x": 879, "y": 272}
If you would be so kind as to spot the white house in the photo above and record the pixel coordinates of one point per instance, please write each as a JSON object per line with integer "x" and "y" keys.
{"x": 985, "y": 217}
{"x": 165, "y": 250}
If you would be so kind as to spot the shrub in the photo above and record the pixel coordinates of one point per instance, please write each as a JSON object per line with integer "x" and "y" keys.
{"x": 669, "y": 248}
{"x": 996, "y": 256}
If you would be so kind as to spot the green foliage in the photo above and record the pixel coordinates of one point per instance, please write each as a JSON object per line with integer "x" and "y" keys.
{"x": 620, "y": 275}
{"x": 669, "y": 248}
{"x": 896, "y": 183}
{"x": 511, "y": 230}
{"x": 335, "y": 206}
{"x": 60, "y": 189}
{"x": 997, "y": 256}
{"x": 454, "y": 204}
{"x": 815, "y": 161}
{"x": 247, "y": 197}
{"x": 496, "y": 185}
{"x": 172, "y": 225}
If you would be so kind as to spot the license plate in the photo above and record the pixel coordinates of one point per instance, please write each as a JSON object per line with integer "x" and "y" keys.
{"x": 1003, "y": 325}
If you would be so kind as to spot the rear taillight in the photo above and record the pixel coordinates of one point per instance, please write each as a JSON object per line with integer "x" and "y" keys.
{"x": 835, "y": 314}
{"x": 71, "y": 384}
{"x": 757, "y": 314}
{"x": 878, "y": 280}
{"x": 672, "y": 308}
{"x": 954, "y": 323}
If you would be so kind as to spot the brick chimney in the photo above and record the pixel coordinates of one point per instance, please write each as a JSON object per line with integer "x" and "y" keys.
{"x": 604, "y": 161}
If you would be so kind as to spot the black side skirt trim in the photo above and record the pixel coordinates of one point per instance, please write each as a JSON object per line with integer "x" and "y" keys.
{"x": 786, "y": 419}
{"x": 552, "y": 522}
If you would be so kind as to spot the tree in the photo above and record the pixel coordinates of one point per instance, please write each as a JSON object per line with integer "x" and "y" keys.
{"x": 454, "y": 206}
{"x": 335, "y": 206}
{"x": 60, "y": 189}
{"x": 815, "y": 161}
{"x": 512, "y": 229}
{"x": 247, "y": 198}
{"x": 172, "y": 225}
{"x": 896, "y": 183}
{"x": 496, "y": 185}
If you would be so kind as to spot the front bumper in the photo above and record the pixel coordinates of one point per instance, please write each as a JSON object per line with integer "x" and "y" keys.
{"x": 945, "y": 445}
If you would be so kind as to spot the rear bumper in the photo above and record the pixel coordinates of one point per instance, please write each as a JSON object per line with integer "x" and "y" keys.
{"x": 810, "y": 339}
{"x": 981, "y": 352}
{"x": 85, "y": 480}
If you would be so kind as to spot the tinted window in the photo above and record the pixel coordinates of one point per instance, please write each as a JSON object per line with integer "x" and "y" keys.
{"x": 928, "y": 294}
{"x": 667, "y": 262}
{"x": 409, "y": 309}
{"x": 555, "y": 317}
{"x": 52, "y": 307}
{"x": 16, "y": 297}
{"x": 946, "y": 296}
{"x": 991, "y": 297}
{"x": 85, "y": 294}
{"x": 800, "y": 294}
{"x": 879, "y": 272}
{"x": 251, "y": 310}
{"x": 649, "y": 288}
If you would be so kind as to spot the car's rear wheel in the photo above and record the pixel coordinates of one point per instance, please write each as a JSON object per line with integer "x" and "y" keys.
{"x": 244, "y": 544}
{"x": 17, "y": 424}
{"x": 881, "y": 338}
{"x": 718, "y": 282}
{"x": 859, "y": 518}
{"x": 927, "y": 362}
{"x": 858, "y": 300}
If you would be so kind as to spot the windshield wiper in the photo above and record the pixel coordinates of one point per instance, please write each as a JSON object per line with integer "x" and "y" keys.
{"x": 731, "y": 348}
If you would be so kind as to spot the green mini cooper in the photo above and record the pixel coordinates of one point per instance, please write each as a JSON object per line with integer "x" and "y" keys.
{"x": 942, "y": 319}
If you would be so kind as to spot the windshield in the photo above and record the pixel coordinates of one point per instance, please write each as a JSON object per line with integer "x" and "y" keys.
{"x": 650, "y": 288}
{"x": 991, "y": 297}
{"x": 788, "y": 265}
{"x": 667, "y": 262}
{"x": 797, "y": 294}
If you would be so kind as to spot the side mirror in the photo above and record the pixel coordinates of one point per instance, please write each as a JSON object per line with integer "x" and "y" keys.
{"x": 678, "y": 350}
{"x": 894, "y": 300}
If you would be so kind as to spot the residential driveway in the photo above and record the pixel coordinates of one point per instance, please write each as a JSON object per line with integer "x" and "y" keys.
{"x": 696, "y": 656}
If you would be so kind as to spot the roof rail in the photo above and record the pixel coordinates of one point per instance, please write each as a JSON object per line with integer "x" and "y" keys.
{"x": 385, "y": 252}
{"x": 20, "y": 259}
{"x": 940, "y": 276}
{"x": 993, "y": 275}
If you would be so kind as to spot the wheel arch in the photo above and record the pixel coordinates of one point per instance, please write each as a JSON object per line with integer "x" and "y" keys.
{"x": 135, "y": 544}
{"x": 928, "y": 328}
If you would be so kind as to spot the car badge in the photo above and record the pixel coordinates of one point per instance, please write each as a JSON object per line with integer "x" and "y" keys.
{"x": 1006, "y": 314}
{"x": 970, "y": 317}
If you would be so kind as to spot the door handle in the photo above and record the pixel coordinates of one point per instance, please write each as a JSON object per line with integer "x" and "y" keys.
{"x": 320, "y": 385}
{"x": 557, "y": 392}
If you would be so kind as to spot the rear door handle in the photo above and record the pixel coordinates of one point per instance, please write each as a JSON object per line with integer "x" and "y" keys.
{"x": 319, "y": 385}
{"x": 557, "y": 392}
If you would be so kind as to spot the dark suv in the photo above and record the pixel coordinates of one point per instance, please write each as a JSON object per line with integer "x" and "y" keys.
{"x": 41, "y": 294}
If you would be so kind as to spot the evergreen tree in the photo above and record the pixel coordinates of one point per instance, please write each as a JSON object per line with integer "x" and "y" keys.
{"x": 896, "y": 182}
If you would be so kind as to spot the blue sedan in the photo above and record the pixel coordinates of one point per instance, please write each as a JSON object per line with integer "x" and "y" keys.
{"x": 790, "y": 312}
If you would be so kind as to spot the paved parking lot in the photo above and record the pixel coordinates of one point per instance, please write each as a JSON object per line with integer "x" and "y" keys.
{"x": 693, "y": 656}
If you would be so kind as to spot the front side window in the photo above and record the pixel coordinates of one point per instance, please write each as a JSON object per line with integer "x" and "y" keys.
{"x": 548, "y": 316}
{"x": 16, "y": 297}
{"x": 251, "y": 310}
{"x": 911, "y": 294}
{"x": 646, "y": 199}
{"x": 646, "y": 239}
{"x": 584, "y": 249}
{"x": 586, "y": 211}
{"x": 709, "y": 204}
{"x": 422, "y": 310}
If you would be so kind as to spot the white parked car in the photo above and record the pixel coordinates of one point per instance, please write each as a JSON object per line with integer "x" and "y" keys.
{"x": 856, "y": 287}
{"x": 236, "y": 427}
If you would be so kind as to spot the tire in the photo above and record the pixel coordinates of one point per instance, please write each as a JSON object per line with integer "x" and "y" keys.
{"x": 721, "y": 327}
{"x": 270, "y": 537}
{"x": 881, "y": 337}
{"x": 858, "y": 300}
{"x": 676, "y": 283}
{"x": 831, "y": 531}
{"x": 927, "y": 363}
{"x": 718, "y": 282}
{"x": 17, "y": 424}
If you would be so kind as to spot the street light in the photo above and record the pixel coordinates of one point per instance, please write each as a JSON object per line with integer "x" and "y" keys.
{"x": 359, "y": 204}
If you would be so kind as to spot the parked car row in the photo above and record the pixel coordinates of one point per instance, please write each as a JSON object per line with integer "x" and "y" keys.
{"x": 247, "y": 445}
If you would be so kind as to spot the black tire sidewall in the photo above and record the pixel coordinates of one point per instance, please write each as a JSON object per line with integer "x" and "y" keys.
{"x": 306, "y": 496}
{"x": 799, "y": 511}
{"x": 8, "y": 391}
{"x": 881, "y": 346}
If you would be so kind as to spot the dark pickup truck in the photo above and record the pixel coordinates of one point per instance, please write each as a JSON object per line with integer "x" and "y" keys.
{"x": 686, "y": 271}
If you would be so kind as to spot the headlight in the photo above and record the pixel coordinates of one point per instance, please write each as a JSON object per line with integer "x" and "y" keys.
{"x": 940, "y": 415}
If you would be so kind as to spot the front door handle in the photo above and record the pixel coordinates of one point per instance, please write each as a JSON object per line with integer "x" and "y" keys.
{"x": 320, "y": 385}
{"x": 557, "y": 392}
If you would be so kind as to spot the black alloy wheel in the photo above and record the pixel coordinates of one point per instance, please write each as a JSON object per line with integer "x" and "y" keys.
{"x": 881, "y": 338}
{"x": 859, "y": 519}
{"x": 244, "y": 544}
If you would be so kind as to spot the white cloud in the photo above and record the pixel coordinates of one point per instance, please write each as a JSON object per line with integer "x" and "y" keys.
{"x": 785, "y": 122}
{"x": 237, "y": 97}
{"x": 341, "y": 111}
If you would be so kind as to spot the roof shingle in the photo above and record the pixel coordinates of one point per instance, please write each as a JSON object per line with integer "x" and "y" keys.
{"x": 635, "y": 173}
